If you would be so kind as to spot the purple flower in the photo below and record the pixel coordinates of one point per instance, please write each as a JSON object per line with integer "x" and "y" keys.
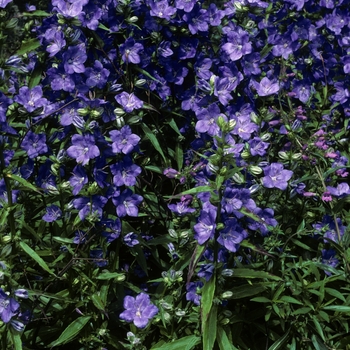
{"x": 131, "y": 240}
{"x": 124, "y": 141}
{"x": 138, "y": 310}
{"x": 207, "y": 118}
{"x": 31, "y": 99}
{"x": 238, "y": 44}
{"x": 3, "y": 3}
{"x": 125, "y": 172}
{"x": 197, "y": 20}
{"x": 83, "y": 148}
{"x": 266, "y": 86}
{"x": 244, "y": 127}
{"x": 276, "y": 176}
{"x": 74, "y": 58}
{"x": 9, "y": 307}
{"x": 126, "y": 203}
{"x": 267, "y": 218}
{"x": 231, "y": 201}
{"x": 34, "y": 144}
{"x": 57, "y": 42}
{"x": 342, "y": 190}
{"x": 89, "y": 206}
{"x": 112, "y": 229}
{"x": 60, "y": 80}
{"x": 206, "y": 225}
{"x": 78, "y": 180}
{"x": 97, "y": 76}
{"x": 329, "y": 258}
{"x": 97, "y": 256}
{"x": 232, "y": 235}
{"x": 161, "y": 9}
{"x": 69, "y": 8}
{"x": 192, "y": 292}
{"x": 186, "y": 5}
{"x": 129, "y": 102}
{"x": 206, "y": 271}
{"x": 258, "y": 147}
{"x": 130, "y": 51}
{"x": 53, "y": 213}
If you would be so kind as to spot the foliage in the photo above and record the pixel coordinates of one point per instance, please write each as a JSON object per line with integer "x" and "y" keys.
{"x": 174, "y": 174}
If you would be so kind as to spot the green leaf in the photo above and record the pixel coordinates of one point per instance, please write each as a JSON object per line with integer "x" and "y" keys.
{"x": 154, "y": 169}
{"x": 71, "y": 331}
{"x": 22, "y": 181}
{"x": 37, "y": 13}
{"x": 186, "y": 343}
{"x": 223, "y": 341}
{"x": 291, "y": 300}
{"x": 16, "y": 340}
{"x": 261, "y": 300}
{"x": 208, "y": 313}
{"x": 318, "y": 327}
{"x": 153, "y": 139}
{"x": 28, "y": 46}
{"x": 337, "y": 308}
{"x": 179, "y": 155}
{"x": 173, "y": 125}
{"x": 35, "y": 77}
{"x": 33, "y": 254}
{"x": 247, "y": 290}
{"x": 335, "y": 293}
{"x": 110, "y": 275}
{"x": 195, "y": 190}
{"x": 279, "y": 343}
{"x": 96, "y": 299}
{"x": 317, "y": 343}
{"x": 248, "y": 273}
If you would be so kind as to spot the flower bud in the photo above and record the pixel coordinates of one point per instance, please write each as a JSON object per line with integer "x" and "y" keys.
{"x": 184, "y": 234}
{"x": 119, "y": 112}
{"x": 238, "y": 178}
{"x": 180, "y": 313}
{"x": 221, "y": 122}
{"x": 119, "y": 121}
{"x": 255, "y": 170}
{"x": 227, "y": 272}
{"x": 226, "y": 295}
{"x": 283, "y": 155}
{"x": 296, "y": 156}
{"x": 213, "y": 168}
{"x": 254, "y": 188}
{"x": 172, "y": 233}
{"x": 133, "y": 19}
{"x": 83, "y": 111}
{"x": 6, "y": 239}
{"x": 245, "y": 154}
{"x": 232, "y": 123}
{"x": 265, "y": 137}
{"x": 225, "y": 321}
{"x": 254, "y": 118}
{"x": 140, "y": 82}
{"x": 120, "y": 278}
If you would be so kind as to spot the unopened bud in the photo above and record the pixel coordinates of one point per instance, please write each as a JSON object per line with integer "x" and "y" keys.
{"x": 133, "y": 19}
{"x": 296, "y": 156}
{"x": 245, "y": 154}
{"x": 83, "y": 111}
{"x": 140, "y": 82}
{"x": 238, "y": 178}
{"x": 283, "y": 155}
{"x": 254, "y": 118}
{"x": 227, "y": 272}
{"x": 255, "y": 170}
{"x": 265, "y": 137}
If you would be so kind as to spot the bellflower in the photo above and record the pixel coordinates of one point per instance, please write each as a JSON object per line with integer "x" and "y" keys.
{"x": 238, "y": 44}
{"x": 161, "y": 9}
{"x": 192, "y": 292}
{"x": 138, "y": 310}
{"x": 341, "y": 191}
{"x": 56, "y": 44}
{"x": 126, "y": 203}
{"x": 69, "y": 8}
{"x": 276, "y": 176}
{"x": 205, "y": 228}
{"x": 232, "y": 235}
{"x": 3, "y": 3}
{"x": 186, "y": 5}
{"x": 130, "y": 239}
{"x": 257, "y": 146}
{"x": 98, "y": 258}
{"x": 130, "y": 51}
{"x": 83, "y": 148}
{"x": 129, "y": 102}
{"x": 53, "y": 213}
{"x": 9, "y": 307}
{"x": 266, "y": 87}
{"x": 60, "y": 80}
{"x": 34, "y": 144}
{"x": 79, "y": 179}
{"x": 207, "y": 118}
{"x": 125, "y": 172}
{"x": 112, "y": 229}
{"x": 89, "y": 205}
{"x": 197, "y": 19}
{"x": 124, "y": 141}
{"x": 31, "y": 99}
{"x": 74, "y": 58}
{"x": 97, "y": 76}
{"x": 329, "y": 258}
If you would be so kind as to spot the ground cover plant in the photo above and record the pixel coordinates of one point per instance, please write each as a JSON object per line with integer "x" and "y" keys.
{"x": 174, "y": 174}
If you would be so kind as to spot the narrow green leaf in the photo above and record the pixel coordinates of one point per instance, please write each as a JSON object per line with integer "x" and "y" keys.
{"x": 101, "y": 26}
{"x": 110, "y": 275}
{"x": 140, "y": 257}
{"x": 179, "y": 155}
{"x": 186, "y": 343}
{"x": 291, "y": 300}
{"x": 317, "y": 343}
{"x": 28, "y": 46}
{"x": 338, "y": 308}
{"x": 208, "y": 333}
{"x": 145, "y": 73}
{"x": 33, "y": 254}
{"x": 318, "y": 327}
{"x": 16, "y": 340}
{"x": 279, "y": 343}
{"x": 35, "y": 77}
{"x": 261, "y": 300}
{"x": 22, "y": 181}
{"x": 96, "y": 299}
{"x": 174, "y": 126}
{"x": 248, "y": 273}
{"x": 247, "y": 290}
{"x": 223, "y": 341}
{"x": 153, "y": 139}
{"x": 62, "y": 240}
{"x": 195, "y": 190}
{"x": 335, "y": 293}
{"x": 71, "y": 331}
{"x": 37, "y": 13}
{"x": 154, "y": 168}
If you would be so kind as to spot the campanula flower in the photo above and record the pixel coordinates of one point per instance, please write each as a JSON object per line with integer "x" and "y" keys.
{"x": 83, "y": 148}
{"x": 138, "y": 310}
{"x": 276, "y": 176}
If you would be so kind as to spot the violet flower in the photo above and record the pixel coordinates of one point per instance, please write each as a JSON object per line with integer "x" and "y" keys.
{"x": 3, "y": 3}
{"x": 130, "y": 239}
{"x": 89, "y": 206}
{"x": 126, "y": 203}
{"x": 97, "y": 76}
{"x": 124, "y": 141}
{"x": 74, "y": 58}
{"x": 192, "y": 292}
{"x": 83, "y": 148}
{"x": 206, "y": 225}
{"x": 53, "y": 213}
{"x": 34, "y": 144}
{"x": 232, "y": 235}
{"x": 129, "y": 102}
{"x": 31, "y": 99}
{"x": 138, "y": 310}
{"x": 266, "y": 86}
{"x": 341, "y": 191}
{"x": 79, "y": 179}
{"x": 130, "y": 51}
{"x": 125, "y": 172}
{"x": 276, "y": 176}
{"x": 9, "y": 307}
